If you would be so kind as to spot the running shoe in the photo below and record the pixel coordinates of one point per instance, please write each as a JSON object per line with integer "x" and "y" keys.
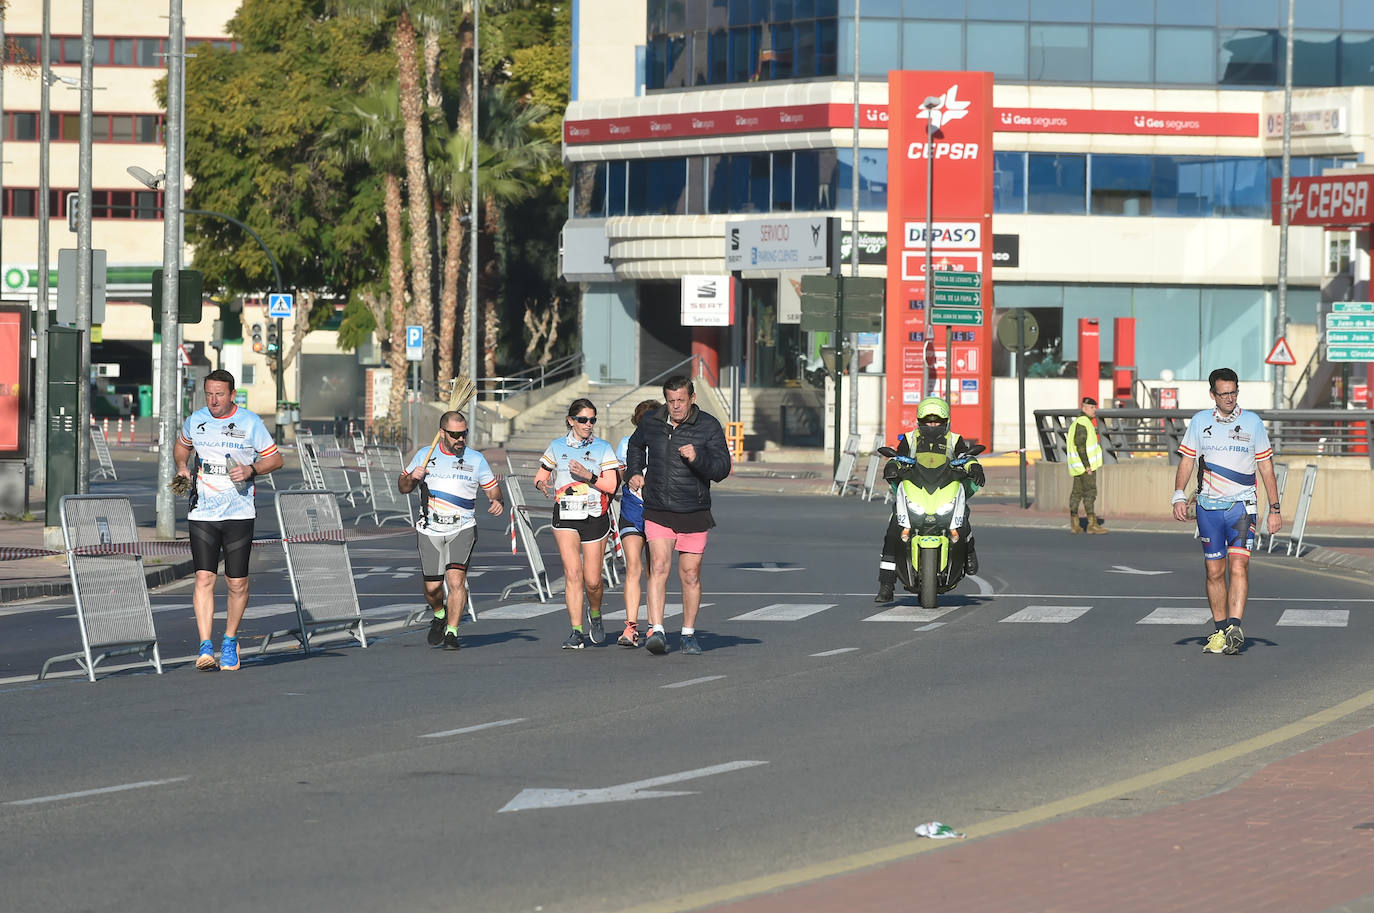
{"x": 450, "y": 640}
{"x": 657, "y": 643}
{"x": 690, "y": 646}
{"x": 1216, "y": 643}
{"x": 436, "y": 631}
{"x": 229, "y": 655}
{"x": 205, "y": 662}
{"x": 595, "y": 632}
{"x": 630, "y": 636}
{"x": 1235, "y": 640}
{"x": 575, "y": 641}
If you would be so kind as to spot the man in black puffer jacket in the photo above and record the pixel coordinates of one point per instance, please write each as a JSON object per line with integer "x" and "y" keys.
{"x": 680, "y": 450}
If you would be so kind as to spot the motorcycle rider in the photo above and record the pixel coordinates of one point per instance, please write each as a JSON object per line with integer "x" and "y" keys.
{"x": 931, "y": 435}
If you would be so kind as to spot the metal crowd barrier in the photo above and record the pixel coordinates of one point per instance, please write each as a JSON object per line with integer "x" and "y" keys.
{"x": 384, "y": 466}
{"x": 100, "y": 445}
{"x": 848, "y": 459}
{"x": 1281, "y": 481}
{"x": 1292, "y": 432}
{"x": 538, "y": 582}
{"x": 320, "y": 570}
{"x": 1309, "y": 485}
{"x": 113, "y": 612}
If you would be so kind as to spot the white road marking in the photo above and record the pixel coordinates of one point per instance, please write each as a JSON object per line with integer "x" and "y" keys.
{"x": 1123, "y": 569}
{"x": 523, "y": 610}
{"x": 529, "y": 799}
{"x": 932, "y": 626}
{"x": 1314, "y": 618}
{"x": 669, "y": 610}
{"x": 785, "y": 611}
{"x": 910, "y": 614}
{"x": 480, "y": 726}
{"x": 693, "y": 681}
{"x": 1177, "y": 615}
{"x": 771, "y": 567}
{"x": 836, "y": 652}
{"x": 984, "y": 588}
{"x": 143, "y": 784}
{"x": 1047, "y": 614}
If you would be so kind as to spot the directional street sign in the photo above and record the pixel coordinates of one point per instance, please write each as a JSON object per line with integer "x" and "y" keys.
{"x": 945, "y": 278}
{"x": 1350, "y": 321}
{"x": 956, "y": 316}
{"x": 952, "y": 297}
{"x": 1352, "y": 307}
{"x": 1350, "y": 353}
{"x": 415, "y": 343}
{"x": 281, "y": 304}
{"x": 1350, "y": 337}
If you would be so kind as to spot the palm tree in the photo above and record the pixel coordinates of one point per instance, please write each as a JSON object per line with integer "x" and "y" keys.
{"x": 510, "y": 158}
{"x": 374, "y": 135}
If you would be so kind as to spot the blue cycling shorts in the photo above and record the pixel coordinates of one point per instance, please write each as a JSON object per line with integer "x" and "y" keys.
{"x": 1222, "y": 532}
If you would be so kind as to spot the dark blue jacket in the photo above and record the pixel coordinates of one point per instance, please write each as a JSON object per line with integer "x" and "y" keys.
{"x": 673, "y": 484}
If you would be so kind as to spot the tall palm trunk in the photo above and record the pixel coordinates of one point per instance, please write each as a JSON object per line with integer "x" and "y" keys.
{"x": 448, "y": 296}
{"x": 417, "y": 186}
{"x": 490, "y": 279}
{"x": 396, "y": 281}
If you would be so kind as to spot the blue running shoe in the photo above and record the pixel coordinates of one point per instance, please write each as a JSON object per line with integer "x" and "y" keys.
{"x": 229, "y": 655}
{"x": 205, "y": 662}
{"x": 657, "y": 643}
{"x": 690, "y": 647}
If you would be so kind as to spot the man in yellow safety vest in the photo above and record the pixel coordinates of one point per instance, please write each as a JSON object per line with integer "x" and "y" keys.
{"x": 1085, "y": 458}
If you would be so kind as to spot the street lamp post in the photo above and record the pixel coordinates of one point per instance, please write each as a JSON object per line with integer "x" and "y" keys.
{"x": 84, "y": 279}
{"x": 929, "y": 106}
{"x": 40, "y": 371}
{"x": 472, "y": 225}
{"x": 171, "y": 276}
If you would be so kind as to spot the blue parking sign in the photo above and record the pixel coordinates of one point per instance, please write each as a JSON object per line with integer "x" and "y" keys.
{"x": 415, "y": 343}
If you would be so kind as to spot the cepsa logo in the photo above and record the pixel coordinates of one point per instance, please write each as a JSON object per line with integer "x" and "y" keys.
{"x": 950, "y": 108}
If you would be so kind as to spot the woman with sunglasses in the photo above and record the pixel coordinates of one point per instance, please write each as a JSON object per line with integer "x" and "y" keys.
{"x": 580, "y": 472}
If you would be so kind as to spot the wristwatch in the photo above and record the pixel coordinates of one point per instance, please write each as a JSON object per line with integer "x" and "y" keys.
{"x": 1274, "y": 508}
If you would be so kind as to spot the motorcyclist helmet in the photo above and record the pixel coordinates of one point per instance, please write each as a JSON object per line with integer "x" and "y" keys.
{"x": 932, "y": 418}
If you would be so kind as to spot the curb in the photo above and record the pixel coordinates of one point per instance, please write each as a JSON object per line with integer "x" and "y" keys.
{"x": 1330, "y": 557}
{"x": 159, "y": 575}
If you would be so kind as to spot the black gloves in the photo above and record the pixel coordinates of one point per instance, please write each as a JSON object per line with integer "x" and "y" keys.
{"x": 975, "y": 472}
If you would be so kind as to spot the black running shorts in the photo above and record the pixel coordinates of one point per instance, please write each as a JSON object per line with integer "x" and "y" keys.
{"x": 231, "y": 538}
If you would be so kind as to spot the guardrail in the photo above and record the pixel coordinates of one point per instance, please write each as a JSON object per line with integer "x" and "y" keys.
{"x": 699, "y": 368}
{"x": 1292, "y": 432}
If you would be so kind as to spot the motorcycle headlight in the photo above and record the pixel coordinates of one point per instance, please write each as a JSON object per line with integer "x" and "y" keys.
{"x": 946, "y": 510}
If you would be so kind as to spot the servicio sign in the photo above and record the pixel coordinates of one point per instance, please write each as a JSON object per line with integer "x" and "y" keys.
{"x": 778, "y": 244}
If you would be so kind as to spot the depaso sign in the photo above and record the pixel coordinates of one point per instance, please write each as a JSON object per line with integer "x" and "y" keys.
{"x": 953, "y": 138}
{"x": 1327, "y": 200}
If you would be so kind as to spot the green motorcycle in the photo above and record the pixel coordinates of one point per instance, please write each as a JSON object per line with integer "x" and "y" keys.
{"x": 931, "y": 508}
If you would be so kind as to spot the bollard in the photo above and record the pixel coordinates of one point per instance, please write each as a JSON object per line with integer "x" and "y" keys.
{"x": 105, "y": 427}
{"x": 119, "y": 430}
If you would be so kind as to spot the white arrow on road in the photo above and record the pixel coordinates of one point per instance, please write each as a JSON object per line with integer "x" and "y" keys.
{"x": 772, "y": 567}
{"x": 639, "y": 789}
{"x": 1123, "y": 569}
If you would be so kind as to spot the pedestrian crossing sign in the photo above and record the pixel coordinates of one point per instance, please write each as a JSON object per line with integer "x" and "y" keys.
{"x": 280, "y": 304}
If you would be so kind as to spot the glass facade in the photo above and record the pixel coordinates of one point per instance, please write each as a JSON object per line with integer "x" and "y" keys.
{"x": 1168, "y": 42}
{"x": 1023, "y": 182}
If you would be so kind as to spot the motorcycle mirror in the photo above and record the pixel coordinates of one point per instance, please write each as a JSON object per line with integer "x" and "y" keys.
{"x": 976, "y": 449}
{"x": 887, "y": 452}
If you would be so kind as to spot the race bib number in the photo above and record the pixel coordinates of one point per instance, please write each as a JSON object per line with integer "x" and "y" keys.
{"x": 578, "y": 502}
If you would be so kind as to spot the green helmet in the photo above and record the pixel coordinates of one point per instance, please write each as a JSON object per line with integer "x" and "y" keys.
{"x": 932, "y": 407}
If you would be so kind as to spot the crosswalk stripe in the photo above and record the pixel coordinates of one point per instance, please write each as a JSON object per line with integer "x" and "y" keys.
{"x": 1177, "y": 615}
{"x": 785, "y": 611}
{"x": 911, "y": 613}
{"x": 1314, "y": 618}
{"x": 669, "y": 610}
{"x": 523, "y": 610}
{"x": 1047, "y": 614}
{"x": 836, "y": 652}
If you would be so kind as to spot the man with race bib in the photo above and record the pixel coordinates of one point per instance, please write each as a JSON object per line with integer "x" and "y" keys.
{"x": 448, "y": 477}
{"x": 233, "y": 448}
{"x": 1229, "y": 447}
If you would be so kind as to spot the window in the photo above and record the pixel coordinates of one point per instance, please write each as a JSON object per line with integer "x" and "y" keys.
{"x": 148, "y": 51}
{"x": 1337, "y": 254}
{"x": 1185, "y": 12}
{"x": 1116, "y": 11}
{"x": 1314, "y": 14}
{"x": 932, "y": 45}
{"x": 880, "y": 41}
{"x": 1059, "y": 53}
{"x": 21, "y": 203}
{"x": 1357, "y": 60}
{"x": 1247, "y": 57}
{"x": 1184, "y": 56}
{"x": 248, "y": 375}
{"x": 998, "y": 47}
{"x": 24, "y": 126}
{"x": 1121, "y": 185}
{"x": 1256, "y": 13}
{"x": 70, "y": 129}
{"x": 657, "y": 186}
{"x": 1056, "y": 183}
{"x": 615, "y": 189}
{"x": 1060, "y": 10}
{"x": 1314, "y": 58}
{"x": 122, "y": 128}
{"x": 1008, "y": 182}
{"x": 23, "y": 48}
{"x": 1122, "y": 54}
{"x": 147, "y": 204}
{"x": 782, "y": 182}
{"x": 71, "y": 51}
{"x": 1014, "y": 10}
{"x": 123, "y": 55}
{"x": 1357, "y": 14}
{"x": 806, "y": 180}
{"x": 148, "y": 128}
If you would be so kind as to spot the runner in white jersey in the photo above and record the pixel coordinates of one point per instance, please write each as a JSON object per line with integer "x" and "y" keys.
{"x": 1230, "y": 448}
{"x": 632, "y": 534}
{"x": 233, "y": 448}
{"x": 581, "y": 472}
{"x": 448, "y": 480}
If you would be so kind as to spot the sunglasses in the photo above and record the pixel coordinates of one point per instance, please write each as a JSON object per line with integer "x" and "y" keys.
{"x": 584, "y": 419}
{"x": 1227, "y": 395}
{"x": 460, "y": 435}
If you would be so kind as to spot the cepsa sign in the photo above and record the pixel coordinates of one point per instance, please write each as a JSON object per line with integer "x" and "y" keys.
{"x": 954, "y": 140}
{"x": 1326, "y": 200}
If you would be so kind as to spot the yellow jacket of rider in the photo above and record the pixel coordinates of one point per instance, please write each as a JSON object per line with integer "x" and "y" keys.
{"x": 1090, "y": 444}
{"x": 952, "y": 445}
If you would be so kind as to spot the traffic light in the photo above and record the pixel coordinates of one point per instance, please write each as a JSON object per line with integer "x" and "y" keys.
{"x": 231, "y": 316}
{"x": 257, "y": 337}
{"x": 272, "y": 341}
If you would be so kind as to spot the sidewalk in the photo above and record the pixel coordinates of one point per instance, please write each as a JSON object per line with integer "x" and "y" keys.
{"x": 996, "y": 505}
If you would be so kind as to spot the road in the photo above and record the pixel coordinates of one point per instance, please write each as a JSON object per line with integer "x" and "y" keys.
{"x": 512, "y": 775}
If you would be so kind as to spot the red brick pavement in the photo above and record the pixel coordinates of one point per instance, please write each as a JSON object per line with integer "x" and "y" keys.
{"x": 1286, "y": 839}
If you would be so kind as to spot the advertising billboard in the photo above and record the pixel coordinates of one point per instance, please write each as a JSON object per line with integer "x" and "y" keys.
{"x": 953, "y": 138}
{"x": 14, "y": 381}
